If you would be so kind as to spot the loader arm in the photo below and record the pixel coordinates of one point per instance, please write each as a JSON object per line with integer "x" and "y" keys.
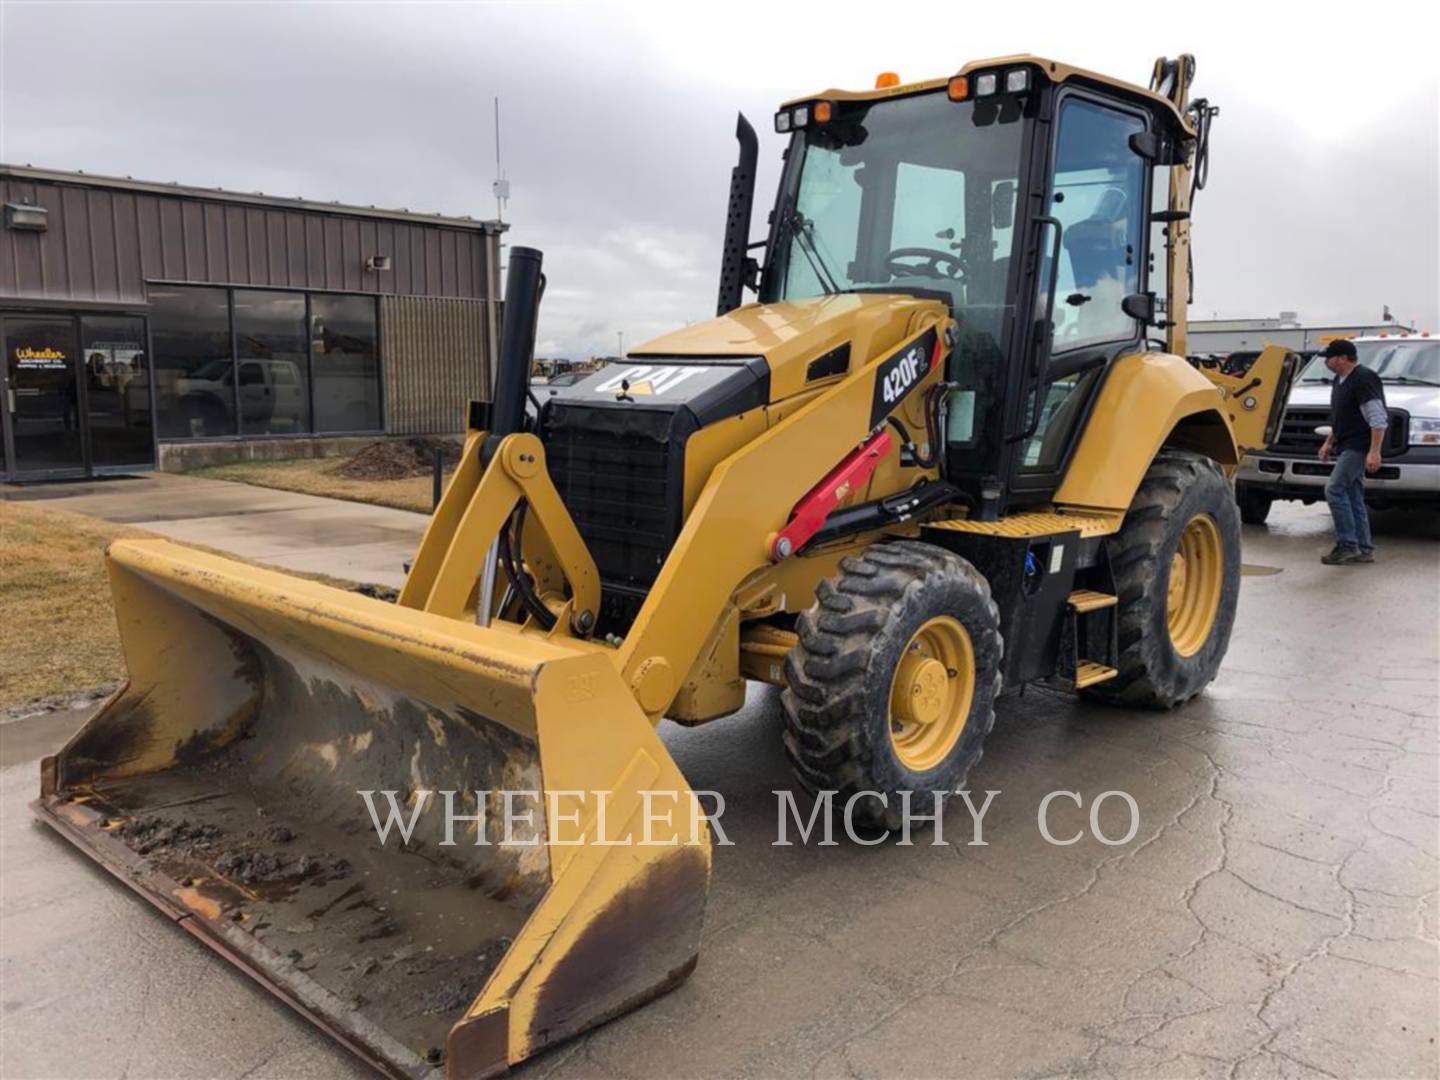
{"x": 475, "y": 507}
{"x": 1255, "y": 400}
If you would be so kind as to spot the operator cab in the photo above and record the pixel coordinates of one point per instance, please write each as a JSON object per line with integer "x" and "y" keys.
{"x": 1018, "y": 193}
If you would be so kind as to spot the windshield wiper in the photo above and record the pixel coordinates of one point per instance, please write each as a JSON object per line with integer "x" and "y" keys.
{"x": 803, "y": 230}
{"x": 1409, "y": 379}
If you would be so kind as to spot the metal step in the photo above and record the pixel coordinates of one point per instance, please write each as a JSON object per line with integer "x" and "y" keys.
{"x": 1083, "y": 600}
{"x": 1088, "y": 673}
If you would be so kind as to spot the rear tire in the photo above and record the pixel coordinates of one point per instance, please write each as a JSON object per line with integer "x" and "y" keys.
{"x": 1254, "y": 504}
{"x": 1176, "y": 563}
{"x": 898, "y": 602}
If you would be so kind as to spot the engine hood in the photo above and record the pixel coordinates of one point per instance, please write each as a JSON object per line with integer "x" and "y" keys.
{"x": 841, "y": 331}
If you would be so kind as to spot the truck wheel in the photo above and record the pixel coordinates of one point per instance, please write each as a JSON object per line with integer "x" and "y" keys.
{"x": 1176, "y": 562}
{"x": 892, "y": 685}
{"x": 1254, "y": 504}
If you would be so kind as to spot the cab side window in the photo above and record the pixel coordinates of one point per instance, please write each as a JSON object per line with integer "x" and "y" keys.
{"x": 1099, "y": 198}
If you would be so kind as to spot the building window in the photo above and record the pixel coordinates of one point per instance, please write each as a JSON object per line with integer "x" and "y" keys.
{"x": 346, "y": 363}
{"x": 240, "y": 361}
{"x": 194, "y": 371}
{"x": 274, "y": 363}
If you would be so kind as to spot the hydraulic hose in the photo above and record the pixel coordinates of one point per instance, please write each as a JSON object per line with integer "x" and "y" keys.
{"x": 518, "y": 578}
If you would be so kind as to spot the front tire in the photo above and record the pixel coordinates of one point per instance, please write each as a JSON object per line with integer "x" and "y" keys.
{"x": 892, "y": 685}
{"x": 1176, "y": 563}
{"x": 1254, "y": 504}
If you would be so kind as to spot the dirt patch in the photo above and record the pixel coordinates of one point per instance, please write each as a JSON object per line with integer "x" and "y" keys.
{"x": 249, "y": 858}
{"x": 396, "y": 459}
{"x": 320, "y": 476}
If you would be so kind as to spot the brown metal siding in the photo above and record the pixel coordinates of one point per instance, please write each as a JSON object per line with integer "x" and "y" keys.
{"x": 434, "y": 363}
{"x": 103, "y": 245}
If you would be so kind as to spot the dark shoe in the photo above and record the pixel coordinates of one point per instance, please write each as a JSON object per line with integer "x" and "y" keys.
{"x": 1365, "y": 556}
{"x": 1340, "y": 555}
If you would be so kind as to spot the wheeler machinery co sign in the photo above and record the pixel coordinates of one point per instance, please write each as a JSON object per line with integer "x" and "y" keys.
{"x": 45, "y": 358}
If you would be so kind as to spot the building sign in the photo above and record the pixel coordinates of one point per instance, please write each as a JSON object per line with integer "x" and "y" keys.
{"x": 45, "y": 358}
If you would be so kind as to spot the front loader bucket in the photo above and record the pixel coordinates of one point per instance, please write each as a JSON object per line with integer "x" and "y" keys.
{"x": 224, "y": 784}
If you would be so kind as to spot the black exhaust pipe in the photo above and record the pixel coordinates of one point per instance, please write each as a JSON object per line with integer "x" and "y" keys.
{"x": 733, "y": 259}
{"x": 524, "y": 286}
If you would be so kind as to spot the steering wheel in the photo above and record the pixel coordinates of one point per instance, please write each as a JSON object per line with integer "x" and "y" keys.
{"x": 932, "y": 267}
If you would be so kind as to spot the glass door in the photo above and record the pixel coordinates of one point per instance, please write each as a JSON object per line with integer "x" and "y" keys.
{"x": 117, "y": 391}
{"x": 43, "y": 394}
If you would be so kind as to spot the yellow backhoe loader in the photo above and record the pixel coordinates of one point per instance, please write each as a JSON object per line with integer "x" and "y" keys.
{"x": 941, "y": 455}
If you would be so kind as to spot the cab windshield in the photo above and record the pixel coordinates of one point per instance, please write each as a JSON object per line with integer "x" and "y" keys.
{"x": 914, "y": 194}
{"x": 1404, "y": 363}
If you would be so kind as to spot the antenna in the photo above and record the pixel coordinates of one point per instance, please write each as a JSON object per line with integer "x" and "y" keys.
{"x": 501, "y": 187}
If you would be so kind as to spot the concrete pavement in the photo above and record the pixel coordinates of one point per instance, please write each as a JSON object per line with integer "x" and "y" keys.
{"x": 285, "y": 528}
{"x": 1274, "y": 916}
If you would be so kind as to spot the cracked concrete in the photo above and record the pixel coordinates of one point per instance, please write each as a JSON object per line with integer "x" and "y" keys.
{"x": 1274, "y": 916}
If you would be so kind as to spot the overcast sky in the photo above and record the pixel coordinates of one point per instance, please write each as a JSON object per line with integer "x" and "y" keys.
{"x": 617, "y": 125}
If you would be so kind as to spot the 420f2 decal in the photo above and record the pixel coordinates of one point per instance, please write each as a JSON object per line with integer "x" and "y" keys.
{"x": 899, "y": 375}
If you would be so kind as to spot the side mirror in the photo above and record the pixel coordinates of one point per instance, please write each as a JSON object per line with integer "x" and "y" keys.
{"x": 1002, "y": 205}
{"x": 1140, "y": 305}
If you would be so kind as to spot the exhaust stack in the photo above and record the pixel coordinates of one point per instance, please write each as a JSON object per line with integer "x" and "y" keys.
{"x": 734, "y": 263}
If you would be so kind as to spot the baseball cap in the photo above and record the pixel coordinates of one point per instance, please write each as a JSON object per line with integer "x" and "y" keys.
{"x": 1340, "y": 347}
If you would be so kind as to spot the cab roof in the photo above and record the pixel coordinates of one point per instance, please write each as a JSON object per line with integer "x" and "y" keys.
{"x": 1054, "y": 70}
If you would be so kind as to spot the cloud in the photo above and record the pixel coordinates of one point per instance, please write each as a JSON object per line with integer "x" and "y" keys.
{"x": 617, "y": 126}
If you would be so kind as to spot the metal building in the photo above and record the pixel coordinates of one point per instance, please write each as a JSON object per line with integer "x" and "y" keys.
{"x": 1223, "y": 336}
{"x": 149, "y": 324}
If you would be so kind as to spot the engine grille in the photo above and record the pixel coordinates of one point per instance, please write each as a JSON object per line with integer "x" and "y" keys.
{"x": 617, "y": 487}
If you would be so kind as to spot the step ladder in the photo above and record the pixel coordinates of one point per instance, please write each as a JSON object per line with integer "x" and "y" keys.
{"x": 1091, "y": 630}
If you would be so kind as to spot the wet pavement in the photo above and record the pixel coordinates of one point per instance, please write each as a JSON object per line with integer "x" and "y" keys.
{"x": 347, "y": 540}
{"x": 1275, "y": 914}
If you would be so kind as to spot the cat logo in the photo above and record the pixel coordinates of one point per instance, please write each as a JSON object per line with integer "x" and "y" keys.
{"x": 647, "y": 379}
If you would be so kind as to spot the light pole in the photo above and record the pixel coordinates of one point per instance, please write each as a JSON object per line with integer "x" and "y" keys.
{"x": 620, "y": 344}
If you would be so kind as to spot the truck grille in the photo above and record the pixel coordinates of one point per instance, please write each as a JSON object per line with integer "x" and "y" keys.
{"x": 1298, "y": 437}
{"x": 1297, "y": 431}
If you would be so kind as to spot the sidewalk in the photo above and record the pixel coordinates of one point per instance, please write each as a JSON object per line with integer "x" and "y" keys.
{"x": 350, "y": 540}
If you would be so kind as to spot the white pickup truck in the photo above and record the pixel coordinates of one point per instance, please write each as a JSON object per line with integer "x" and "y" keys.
{"x": 1409, "y": 474}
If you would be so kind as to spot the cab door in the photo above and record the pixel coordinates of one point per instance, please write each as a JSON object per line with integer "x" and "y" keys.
{"x": 1094, "y": 254}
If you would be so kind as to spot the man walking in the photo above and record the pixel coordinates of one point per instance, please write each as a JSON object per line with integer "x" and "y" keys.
{"x": 1358, "y": 419}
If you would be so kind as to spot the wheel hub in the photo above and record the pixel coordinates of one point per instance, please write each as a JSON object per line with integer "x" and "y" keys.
{"x": 921, "y": 685}
{"x": 931, "y": 693}
{"x": 1197, "y": 576}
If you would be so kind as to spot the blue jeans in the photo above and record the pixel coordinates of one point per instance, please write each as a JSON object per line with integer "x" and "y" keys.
{"x": 1345, "y": 492}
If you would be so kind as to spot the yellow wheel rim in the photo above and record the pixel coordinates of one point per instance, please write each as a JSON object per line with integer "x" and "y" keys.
{"x": 931, "y": 693}
{"x": 1197, "y": 573}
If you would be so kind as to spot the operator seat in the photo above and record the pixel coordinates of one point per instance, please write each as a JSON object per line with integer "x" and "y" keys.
{"x": 1097, "y": 245}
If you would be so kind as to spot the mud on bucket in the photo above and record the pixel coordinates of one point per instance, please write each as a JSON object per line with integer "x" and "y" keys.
{"x": 224, "y": 783}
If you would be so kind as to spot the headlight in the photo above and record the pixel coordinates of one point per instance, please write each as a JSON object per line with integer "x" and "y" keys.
{"x": 1424, "y": 431}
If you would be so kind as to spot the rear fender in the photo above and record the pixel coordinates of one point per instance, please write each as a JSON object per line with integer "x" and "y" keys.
{"x": 1148, "y": 400}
